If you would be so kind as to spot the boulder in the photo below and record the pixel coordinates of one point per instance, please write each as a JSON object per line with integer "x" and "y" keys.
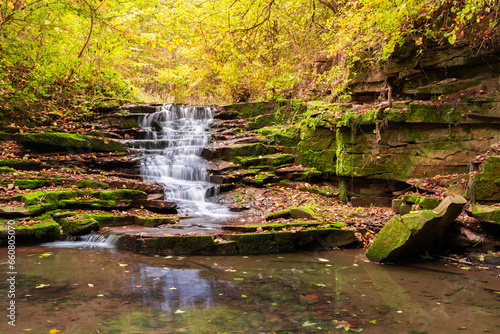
{"x": 409, "y": 235}
{"x": 487, "y": 183}
{"x": 484, "y": 213}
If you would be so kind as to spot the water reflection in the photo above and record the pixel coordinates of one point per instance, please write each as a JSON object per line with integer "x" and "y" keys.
{"x": 105, "y": 291}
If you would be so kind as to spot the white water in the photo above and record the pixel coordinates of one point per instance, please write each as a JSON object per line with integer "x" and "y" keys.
{"x": 171, "y": 155}
{"x": 87, "y": 241}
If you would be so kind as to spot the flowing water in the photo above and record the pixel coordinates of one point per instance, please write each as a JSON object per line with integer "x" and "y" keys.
{"x": 171, "y": 156}
{"x": 100, "y": 290}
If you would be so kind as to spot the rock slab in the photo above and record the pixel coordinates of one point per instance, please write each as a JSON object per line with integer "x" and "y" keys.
{"x": 409, "y": 235}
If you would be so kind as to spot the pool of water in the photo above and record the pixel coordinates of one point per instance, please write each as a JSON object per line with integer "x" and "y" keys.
{"x": 91, "y": 289}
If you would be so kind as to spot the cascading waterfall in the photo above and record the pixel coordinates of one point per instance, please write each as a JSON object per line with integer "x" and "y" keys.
{"x": 171, "y": 155}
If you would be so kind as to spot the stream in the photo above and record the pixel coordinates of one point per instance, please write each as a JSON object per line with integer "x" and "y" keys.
{"x": 82, "y": 288}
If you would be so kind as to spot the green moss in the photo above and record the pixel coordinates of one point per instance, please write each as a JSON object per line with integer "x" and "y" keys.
{"x": 255, "y": 149}
{"x": 323, "y": 161}
{"x": 21, "y": 164}
{"x": 122, "y": 194}
{"x": 84, "y": 203}
{"x": 92, "y": 184}
{"x": 43, "y": 231}
{"x": 249, "y": 243}
{"x": 289, "y": 136}
{"x": 324, "y": 191}
{"x": 486, "y": 183}
{"x": 39, "y": 197}
{"x": 79, "y": 224}
{"x": 485, "y": 213}
{"x": 423, "y": 202}
{"x": 32, "y": 183}
{"x": 6, "y": 170}
{"x": 266, "y": 160}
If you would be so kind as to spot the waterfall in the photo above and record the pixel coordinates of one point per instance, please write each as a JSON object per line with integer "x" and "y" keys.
{"x": 171, "y": 155}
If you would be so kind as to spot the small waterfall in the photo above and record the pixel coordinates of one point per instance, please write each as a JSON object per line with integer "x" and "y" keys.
{"x": 171, "y": 156}
{"x": 87, "y": 241}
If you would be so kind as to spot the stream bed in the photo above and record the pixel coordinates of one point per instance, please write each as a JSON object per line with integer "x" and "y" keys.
{"x": 88, "y": 287}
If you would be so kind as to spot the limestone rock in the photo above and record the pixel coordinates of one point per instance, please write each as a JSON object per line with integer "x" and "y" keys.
{"x": 408, "y": 236}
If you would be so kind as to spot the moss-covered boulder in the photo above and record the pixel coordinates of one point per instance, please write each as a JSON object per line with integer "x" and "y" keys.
{"x": 413, "y": 202}
{"x": 484, "y": 213}
{"x": 34, "y": 231}
{"x": 266, "y": 160}
{"x": 412, "y": 234}
{"x": 487, "y": 183}
{"x": 289, "y": 136}
{"x": 32, "y": 183}
{"x": 91, "y": 184}
{"x": 79, "y": 224}
{"x": 55, "y": 141}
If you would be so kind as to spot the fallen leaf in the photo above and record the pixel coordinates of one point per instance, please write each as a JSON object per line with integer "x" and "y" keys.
{"x": 53, "y": 331}
{"x": 311, "y": 296}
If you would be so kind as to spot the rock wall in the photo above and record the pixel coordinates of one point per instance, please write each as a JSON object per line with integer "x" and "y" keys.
{"x": 440, "y": 112}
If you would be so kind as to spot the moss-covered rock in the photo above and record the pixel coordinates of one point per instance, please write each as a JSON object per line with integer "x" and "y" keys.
{"x": 22, "y": 164}
{"x": 6, "y": 170}
{"x": 55, "y": 141}
{"x": 266, "y": 160}
{"x": 487, "y": 183}
{"x": 121, "y": 194}
{"x": 484, "y": 213}
{"x": 92, "y": 184}
{"x": 32, "y": 183}
{"x": 254, "y": 243}
{"x": 412, "y": 202}
{"x": 289, "y": 136}
{"x": 34, "y": 231}
{"x": 79, "y": 224}
{"x": 279, "y": 214}
{"x": 412, "y": 234}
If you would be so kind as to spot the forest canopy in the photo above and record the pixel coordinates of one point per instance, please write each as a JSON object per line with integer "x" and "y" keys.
{"x": 59, "y": 56}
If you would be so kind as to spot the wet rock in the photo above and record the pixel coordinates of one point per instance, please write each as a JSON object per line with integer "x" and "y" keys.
{"x": 79, "y": 224}
{"x": 408, "y": 236}
{"x": 41, "y": 231}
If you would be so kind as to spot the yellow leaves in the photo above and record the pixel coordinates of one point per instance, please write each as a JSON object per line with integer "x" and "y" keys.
{"x": 123, "y": 264}
{"x": 10, "y": 4}
{"x": 53, "y": 331}
{"x": 41, "y": 286}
